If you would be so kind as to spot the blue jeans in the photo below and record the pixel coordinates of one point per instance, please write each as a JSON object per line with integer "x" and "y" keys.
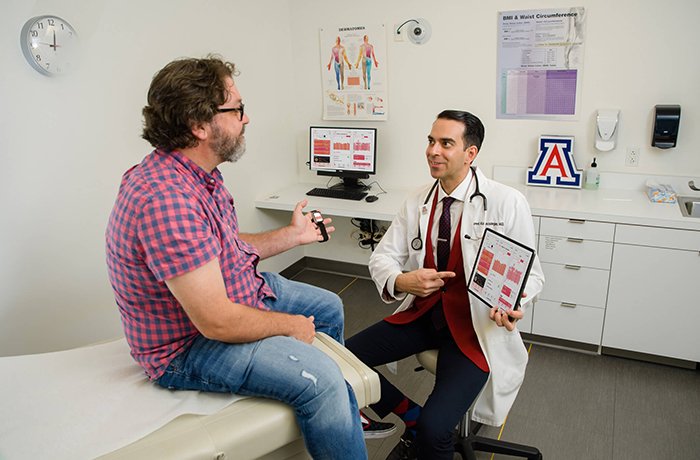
{"x": 284, "y": 369}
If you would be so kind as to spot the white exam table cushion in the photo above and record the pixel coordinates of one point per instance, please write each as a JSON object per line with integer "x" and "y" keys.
{"x": 85, "y": 402}
{"x": 91, "y": 401}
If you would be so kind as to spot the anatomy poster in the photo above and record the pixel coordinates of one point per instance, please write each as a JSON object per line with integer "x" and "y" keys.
{"x": 353, "y": 72}
{"x": 501, "y": 270}
{"x": 540, "y": 60}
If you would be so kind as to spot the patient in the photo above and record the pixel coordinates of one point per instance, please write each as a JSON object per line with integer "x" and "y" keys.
{"x": 196, "y": 312}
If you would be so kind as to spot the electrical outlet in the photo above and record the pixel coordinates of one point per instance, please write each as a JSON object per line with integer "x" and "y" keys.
{"x": 398, "y": 36}
{"x": 632, "y": 158}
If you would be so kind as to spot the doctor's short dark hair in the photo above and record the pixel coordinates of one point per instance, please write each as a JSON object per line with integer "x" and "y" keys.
{"x": 473, "y": 128}
{"x": 184, "y": 93}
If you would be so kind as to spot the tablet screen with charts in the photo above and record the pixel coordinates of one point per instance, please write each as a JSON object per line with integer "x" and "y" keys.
{"x": 500, "y": 271}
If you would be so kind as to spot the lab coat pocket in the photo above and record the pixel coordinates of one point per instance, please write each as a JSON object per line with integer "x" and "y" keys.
{"x": 509, "y": 363}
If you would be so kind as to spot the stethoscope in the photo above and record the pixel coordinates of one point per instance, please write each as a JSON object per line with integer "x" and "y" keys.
{"x": 417, "y": 242}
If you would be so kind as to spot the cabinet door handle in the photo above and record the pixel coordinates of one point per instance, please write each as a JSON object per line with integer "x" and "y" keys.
{"x": 575, "y": 240}
{"x": 577, "y": 221}
{"x": 568, "y": 305}
{"x": 572, "y": 267}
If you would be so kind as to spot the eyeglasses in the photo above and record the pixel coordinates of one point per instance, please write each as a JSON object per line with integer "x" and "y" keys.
{"x": 240, "y": 110}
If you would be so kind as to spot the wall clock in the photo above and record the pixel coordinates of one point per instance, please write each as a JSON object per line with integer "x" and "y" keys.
{"x": 49, "y": 43}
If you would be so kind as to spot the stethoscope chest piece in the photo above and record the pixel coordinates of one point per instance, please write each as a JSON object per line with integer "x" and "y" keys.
{"x": 417, "y": 243}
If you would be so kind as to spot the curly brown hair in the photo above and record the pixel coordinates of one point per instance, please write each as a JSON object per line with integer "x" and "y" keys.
{"x": 182, "y": 94}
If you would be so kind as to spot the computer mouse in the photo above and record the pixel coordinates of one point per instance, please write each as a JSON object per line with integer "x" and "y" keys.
{"x": 371, "y": 198}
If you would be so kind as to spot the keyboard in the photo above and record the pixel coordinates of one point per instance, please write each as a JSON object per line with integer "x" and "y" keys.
{"x": 335, "y": 193}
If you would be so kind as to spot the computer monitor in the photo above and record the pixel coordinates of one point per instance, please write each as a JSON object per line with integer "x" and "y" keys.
{"x": 347, "y": 153}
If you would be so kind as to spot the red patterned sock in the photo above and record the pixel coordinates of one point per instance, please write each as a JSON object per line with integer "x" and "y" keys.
{"x": 409, "y": 413}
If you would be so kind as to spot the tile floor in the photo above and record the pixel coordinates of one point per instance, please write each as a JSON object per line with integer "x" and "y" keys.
{"x": 571, "y": 406}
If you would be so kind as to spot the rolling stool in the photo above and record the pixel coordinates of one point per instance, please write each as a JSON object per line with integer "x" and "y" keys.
{"x": 467, "y": 442}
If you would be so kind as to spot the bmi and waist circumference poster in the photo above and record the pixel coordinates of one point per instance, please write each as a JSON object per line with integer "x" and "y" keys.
{"x": 540, "y": 61}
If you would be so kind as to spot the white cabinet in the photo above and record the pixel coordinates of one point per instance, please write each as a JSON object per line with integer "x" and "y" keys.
{"x": 575, "y": 256}
{"x": 654, "y": 292}
{"x": 622, "y": 286}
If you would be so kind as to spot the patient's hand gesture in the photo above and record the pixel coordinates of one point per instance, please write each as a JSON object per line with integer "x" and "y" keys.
{"x": 421, "y": 282}
{"x": 304, "y": 227}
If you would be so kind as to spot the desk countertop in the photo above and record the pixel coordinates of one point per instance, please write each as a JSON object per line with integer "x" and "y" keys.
{"x": 385, "y": 208}
{"x": 623, "y": 206}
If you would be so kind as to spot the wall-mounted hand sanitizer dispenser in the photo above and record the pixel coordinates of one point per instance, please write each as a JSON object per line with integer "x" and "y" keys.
{"x": 606, "y": 129}
{"x": 667, "y": 119}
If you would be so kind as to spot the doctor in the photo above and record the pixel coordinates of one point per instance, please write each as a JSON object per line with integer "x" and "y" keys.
{"x": 424, "y": 260}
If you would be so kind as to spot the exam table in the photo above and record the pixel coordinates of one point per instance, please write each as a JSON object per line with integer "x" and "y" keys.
{"x": 95, "y": 402}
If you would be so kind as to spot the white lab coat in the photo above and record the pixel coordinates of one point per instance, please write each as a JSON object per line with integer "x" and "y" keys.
{"x": 504, "y": 350}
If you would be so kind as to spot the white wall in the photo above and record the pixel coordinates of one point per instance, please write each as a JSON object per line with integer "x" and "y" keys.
{"x": 64, "y": 143}
{"x": 637, "y": 54}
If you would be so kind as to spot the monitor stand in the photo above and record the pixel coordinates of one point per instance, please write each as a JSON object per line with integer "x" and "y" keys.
{"x": 350, "y": 183}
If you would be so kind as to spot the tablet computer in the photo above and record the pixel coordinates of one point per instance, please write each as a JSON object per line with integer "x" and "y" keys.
{"x": 500, "y": 271}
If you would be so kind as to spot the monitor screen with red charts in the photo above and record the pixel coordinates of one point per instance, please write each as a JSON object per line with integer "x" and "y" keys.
{"x": 348, "y": 153}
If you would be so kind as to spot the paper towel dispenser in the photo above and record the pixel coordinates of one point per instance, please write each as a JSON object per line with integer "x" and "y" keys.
{"x": 667, "y": 119}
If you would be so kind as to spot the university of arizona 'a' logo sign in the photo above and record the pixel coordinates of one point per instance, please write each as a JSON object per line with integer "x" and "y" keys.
{"x": 555, "y": 165}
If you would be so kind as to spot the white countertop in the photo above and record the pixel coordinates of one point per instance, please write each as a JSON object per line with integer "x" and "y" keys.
{"x": 384, "y": 208}
{"x": 607, "y": 205}
{"x": 626, "y": 205}
{"x": 621, "y": 199}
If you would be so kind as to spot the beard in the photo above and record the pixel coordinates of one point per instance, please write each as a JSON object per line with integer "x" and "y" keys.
{"x": 228, "y": 148}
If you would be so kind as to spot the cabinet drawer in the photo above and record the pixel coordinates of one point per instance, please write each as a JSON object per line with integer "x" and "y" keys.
{"x": 536, "y": 224}
{"x": 575, "y": 251}
{"x": 583, "y": 286}
{"x": 576, "y": 228}
{"x": 658, "y": 237}
{"x": 580, "y": 323}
